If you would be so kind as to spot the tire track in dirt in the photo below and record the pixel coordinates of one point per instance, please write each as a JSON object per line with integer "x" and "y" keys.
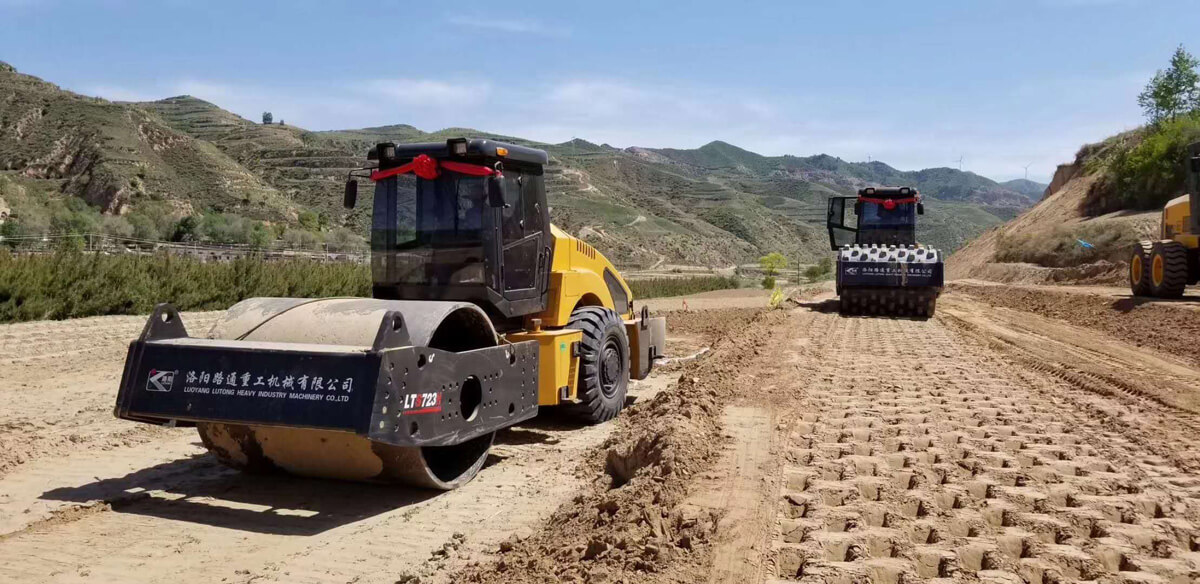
{"x": 734, "y": 491}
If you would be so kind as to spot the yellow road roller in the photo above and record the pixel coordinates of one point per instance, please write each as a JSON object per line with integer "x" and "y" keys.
{"x": 482, "y": 313}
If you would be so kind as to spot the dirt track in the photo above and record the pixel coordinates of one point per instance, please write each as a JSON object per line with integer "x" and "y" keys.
{"x": 987, "y": 444}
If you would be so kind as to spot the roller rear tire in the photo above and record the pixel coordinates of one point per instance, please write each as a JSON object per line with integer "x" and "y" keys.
{"x": 603, "y": 364}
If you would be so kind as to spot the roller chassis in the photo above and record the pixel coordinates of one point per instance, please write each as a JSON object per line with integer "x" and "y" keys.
{"x": 389, "y": 393}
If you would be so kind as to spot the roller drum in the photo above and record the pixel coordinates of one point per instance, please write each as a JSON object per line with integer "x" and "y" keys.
{"x": 351, "y": 322}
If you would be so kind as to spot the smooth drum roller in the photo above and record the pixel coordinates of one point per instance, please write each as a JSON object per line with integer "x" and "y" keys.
{"x": 412, "y": 385}
{"x": 350, "y": 323}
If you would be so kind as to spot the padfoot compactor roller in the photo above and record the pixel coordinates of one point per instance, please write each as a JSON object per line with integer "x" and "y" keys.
{"x": 483, "y": 312}
{"x": 881, "y": 270}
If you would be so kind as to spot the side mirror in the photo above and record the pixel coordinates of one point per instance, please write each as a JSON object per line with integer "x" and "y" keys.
{"x": 1196, "y": 164}
{"x": 351, "y": 197}
{"x": 495, "y": 191}
{"x": 920, "y": 208}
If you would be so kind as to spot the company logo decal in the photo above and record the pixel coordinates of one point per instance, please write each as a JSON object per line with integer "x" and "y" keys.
{"x": 160, "y": 380}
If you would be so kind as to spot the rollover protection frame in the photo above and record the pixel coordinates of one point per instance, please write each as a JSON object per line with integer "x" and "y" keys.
{"x": 391, "y": 392}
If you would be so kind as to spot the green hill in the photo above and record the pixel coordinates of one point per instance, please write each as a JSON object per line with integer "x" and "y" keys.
{"x": 1031, "y": 189}
{"x": 183, "y": 157}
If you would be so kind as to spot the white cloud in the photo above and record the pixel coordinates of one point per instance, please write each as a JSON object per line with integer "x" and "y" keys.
{"x": 428, "y": 92}
{"x": 508, "y": 25}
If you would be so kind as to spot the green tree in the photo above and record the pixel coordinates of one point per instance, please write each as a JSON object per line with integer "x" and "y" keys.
{"x": 1173, "y": 91}
{"x": 8, "y": 230}
{"x": 772, "y": 263}
{"x": 309, "y": 220}
{"x": 187, "y": 229}
{"x": 259, "y": 236}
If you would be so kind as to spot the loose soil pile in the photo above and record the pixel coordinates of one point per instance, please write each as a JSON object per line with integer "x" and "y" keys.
{"x": 631, "y": 520}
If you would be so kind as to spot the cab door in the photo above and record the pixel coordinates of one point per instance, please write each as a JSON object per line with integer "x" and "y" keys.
{"x": 839, "y": 232}
{"x": 522, "y": 236}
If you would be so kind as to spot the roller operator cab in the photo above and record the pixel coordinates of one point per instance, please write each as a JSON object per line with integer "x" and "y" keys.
{"x": 880, "y": 267}
{"x": 1163, "y": 268}
{"x": 483, "y": 312}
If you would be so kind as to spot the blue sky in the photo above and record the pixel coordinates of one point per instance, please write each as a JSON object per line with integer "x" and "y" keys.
{"x": 915, "y": 84}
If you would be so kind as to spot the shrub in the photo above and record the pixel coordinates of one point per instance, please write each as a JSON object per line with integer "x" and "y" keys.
{"x": 1147, "y": 174}
{"x": 768, "y": 282}
{"x": 823, "y": 269}
{"x": 71, "y": 284}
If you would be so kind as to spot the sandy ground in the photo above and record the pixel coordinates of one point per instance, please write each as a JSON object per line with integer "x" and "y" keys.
{"x": 734, "y": 298}
{"x": 989, "y": 444}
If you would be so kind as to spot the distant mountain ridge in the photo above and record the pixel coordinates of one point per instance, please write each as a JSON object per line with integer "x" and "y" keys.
{"x": 940, "y": 183}
{"x": 714, "y": 205}
{"x": 1034, "y": 190}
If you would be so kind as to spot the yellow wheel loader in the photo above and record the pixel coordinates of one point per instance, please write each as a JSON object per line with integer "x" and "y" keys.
{"x": 482, "y": 313}
{"x": 1163, "y": 268}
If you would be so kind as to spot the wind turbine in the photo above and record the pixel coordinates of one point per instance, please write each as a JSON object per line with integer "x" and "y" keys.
{"x": 960, "y": 161}
{"x": 1027, "y": 170}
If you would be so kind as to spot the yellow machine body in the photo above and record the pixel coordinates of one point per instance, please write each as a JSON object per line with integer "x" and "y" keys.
{"x": 558, "y": 363}
{"x": 577, "y": 278}
{"x": 1176, "y": 222}
{"x": 580, "y": 276}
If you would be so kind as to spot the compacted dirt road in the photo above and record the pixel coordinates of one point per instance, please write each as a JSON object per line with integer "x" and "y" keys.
{"x": 990, "y": 443}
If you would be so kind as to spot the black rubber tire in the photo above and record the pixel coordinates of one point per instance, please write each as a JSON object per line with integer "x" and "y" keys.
{"x": 1175, "y": 269}
{"x": 1139, "y": 256}
{"x": 603, "y": 364}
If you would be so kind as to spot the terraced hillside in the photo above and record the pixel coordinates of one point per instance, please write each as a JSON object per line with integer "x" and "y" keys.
{"x": 116, "y": 157}
{"x": 182, "y": 156}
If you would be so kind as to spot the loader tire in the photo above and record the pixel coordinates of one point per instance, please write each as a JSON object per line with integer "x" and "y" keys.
{"x": 1139, "y": 268}
{"x": 1168, "y": 269}
{"x": 603, "y": 364}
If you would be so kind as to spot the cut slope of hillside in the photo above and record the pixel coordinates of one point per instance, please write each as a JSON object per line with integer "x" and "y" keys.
{"x": 1045, "y": 244}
